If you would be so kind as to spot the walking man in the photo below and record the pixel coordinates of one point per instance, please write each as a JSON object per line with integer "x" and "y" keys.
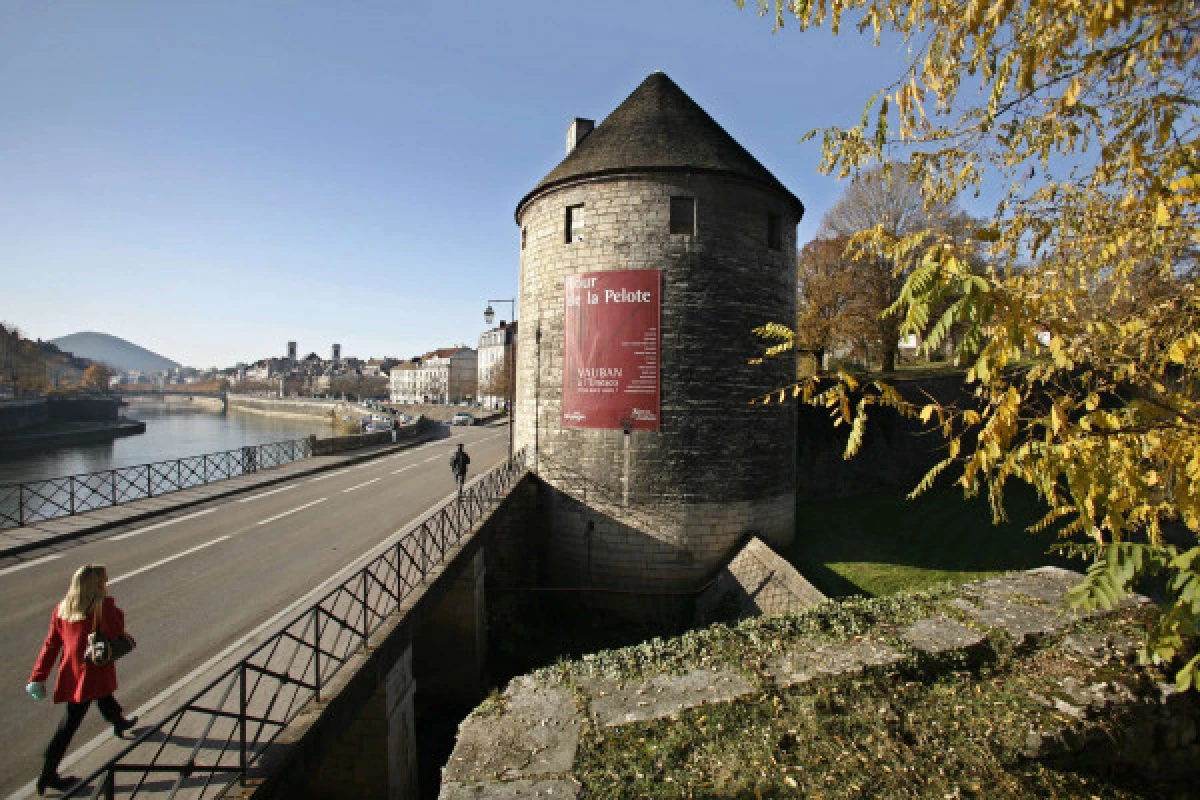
{"x": 458, "y": 465}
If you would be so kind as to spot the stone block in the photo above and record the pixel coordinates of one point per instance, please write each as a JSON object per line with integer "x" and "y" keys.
{"x": 1098, "y": 650}
{"x": 537, "y": 735}
{"x": 1025, "y": 623}
{"x": 939, "y": 636}
{"x": 510, "y": 790}
{"x": 612, "y": 703}
{"x": 804, "y": 663}
{"x": 759, "y": 582}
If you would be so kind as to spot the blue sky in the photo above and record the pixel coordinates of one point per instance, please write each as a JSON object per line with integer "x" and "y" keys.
{"x": 211, "y": 179}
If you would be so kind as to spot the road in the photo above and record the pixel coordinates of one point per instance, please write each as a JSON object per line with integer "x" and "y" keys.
{"x": 200, "y": 582}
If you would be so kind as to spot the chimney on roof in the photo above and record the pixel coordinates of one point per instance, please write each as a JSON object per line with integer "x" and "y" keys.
{"x": 577, "y": 131}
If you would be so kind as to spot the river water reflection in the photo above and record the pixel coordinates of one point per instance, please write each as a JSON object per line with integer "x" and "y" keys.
{"x": 171, "y": 433}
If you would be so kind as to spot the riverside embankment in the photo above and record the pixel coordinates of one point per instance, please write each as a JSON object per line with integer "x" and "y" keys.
{"x": 41, "y": 423}
{"x": 173, "y": 430}
{"x": 306, "y": 408}
{"x": 289, "y": 407}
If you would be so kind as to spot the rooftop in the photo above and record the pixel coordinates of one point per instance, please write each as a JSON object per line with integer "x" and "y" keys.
{"x": 658, "y": 128}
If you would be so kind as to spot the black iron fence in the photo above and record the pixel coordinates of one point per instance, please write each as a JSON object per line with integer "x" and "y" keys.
{"x": 207, "y": 744}
{"x": 26, "y": 503}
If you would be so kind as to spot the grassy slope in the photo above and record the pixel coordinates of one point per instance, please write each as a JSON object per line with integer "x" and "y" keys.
{"x": 879, "y": 542}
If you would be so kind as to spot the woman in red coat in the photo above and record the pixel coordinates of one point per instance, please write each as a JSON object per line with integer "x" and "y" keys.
{"x": 85, "y": 604}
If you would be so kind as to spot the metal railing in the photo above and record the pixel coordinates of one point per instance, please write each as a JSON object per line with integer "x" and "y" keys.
{"x": 37, "y": 501}
{"x": 210, "y": 742}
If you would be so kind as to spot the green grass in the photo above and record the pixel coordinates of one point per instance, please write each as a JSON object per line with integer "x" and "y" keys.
{"x": 879, "y": 542}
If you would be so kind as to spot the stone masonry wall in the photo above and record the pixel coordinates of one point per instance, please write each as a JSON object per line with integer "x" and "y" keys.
{"x": 17, "y": 415}
{"x": 285, "y": 407}
{"x": 718, "y": 468}
{"x": 526, "y": 741}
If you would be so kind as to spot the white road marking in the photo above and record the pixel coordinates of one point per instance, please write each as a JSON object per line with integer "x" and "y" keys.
{"x": 359, "y": 486}
{"x": 33, "y": 563}
{"x": 265, "y": 494}
{"x": 327, "y": 475}
{"x": 431, "y": 458}
{"x": 159, "y": 563}
{"x": 144, "y": 710}
{"x": 402, "y": 469}
{"x": 293, "y": 511}
{"x": 156, "y": 526}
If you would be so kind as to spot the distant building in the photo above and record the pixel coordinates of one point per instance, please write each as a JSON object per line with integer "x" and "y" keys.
{"x": 448, "y": 375}
{"x": 403, "y": 383}
{"x": 496, "y": 365}
{"x": 337, "y": 354}
{"x": 291, "y": 351}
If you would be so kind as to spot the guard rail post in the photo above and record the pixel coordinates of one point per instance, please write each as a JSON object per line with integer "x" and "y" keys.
{"x": 242, "y": 763}
{"x": 366, "y": 623}
{"x": 316, "y": 623}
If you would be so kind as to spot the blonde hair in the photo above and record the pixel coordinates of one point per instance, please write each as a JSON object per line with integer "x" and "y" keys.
{"x": 87, "y": 589}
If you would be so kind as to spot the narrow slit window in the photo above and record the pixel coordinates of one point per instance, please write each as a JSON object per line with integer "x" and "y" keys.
{"x": 524, "y": 236}
{"x": 774, "y": 231}
{"x": 574, "y": 226}
{"x": 683, "y": 215}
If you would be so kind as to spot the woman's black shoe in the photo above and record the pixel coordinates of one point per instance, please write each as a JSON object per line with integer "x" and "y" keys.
{"x": 56, "y": 782}
{"x": 121, "y": 726}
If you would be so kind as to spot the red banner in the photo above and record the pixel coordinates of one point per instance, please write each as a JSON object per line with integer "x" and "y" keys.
{"x": 610, "y": 363}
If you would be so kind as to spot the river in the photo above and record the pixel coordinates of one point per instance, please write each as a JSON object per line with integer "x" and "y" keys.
{"x": 171, "y": 433}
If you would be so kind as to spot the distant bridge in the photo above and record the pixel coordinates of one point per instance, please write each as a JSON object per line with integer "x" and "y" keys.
{"x": 185, "y": 390}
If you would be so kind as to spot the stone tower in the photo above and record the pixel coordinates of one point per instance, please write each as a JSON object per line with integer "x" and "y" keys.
{"x": 648, "y": 255}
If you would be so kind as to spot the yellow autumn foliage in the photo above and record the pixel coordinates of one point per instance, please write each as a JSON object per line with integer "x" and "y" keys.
{"x": 1083, "y": 328}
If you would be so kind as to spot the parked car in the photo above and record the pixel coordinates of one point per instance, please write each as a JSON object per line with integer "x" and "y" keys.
{"x": 462, "y": 418}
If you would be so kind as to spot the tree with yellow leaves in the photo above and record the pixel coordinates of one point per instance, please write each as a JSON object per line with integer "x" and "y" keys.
{"x": 97, "y": 377}
{"x": 1082, "y": 115}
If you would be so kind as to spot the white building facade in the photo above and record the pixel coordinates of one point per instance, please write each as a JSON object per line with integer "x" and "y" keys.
{"x": 497, "y": 358}
{"x": 449, "y": 375}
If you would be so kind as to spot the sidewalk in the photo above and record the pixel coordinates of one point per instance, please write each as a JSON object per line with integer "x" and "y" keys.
{"x": 17, "y": 541}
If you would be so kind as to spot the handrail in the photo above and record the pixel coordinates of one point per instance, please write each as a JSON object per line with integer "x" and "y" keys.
{"x": 210, "y": 741}
{"x": 38, "y": 501}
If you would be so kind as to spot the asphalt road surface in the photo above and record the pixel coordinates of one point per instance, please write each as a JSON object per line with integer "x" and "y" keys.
{"x": 201, "y": 581}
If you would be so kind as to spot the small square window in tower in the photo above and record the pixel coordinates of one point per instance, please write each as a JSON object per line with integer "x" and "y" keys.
{"x": 574, "y": 226}
{"x": 774, "y": 231}
{"x": 683, "y": 215}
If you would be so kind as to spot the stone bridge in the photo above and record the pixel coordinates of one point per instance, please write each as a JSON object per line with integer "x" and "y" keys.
{"x": 360, "y": 739}
{"x": 168, "y": 393}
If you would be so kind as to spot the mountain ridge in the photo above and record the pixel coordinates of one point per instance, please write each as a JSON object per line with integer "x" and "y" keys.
{"x": 118, "y": 353}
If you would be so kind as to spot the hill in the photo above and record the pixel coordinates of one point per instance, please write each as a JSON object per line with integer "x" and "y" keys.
{"x": 113, "y": 351}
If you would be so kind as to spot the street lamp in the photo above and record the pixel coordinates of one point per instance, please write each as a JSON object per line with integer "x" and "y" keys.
{"x": 488, "y": 316}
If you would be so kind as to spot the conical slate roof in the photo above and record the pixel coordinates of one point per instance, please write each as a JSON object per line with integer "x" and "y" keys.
{"x": 658, "y": 128}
